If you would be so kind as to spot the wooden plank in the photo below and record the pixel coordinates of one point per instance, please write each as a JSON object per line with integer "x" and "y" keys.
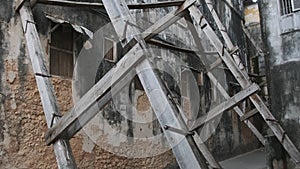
{"x": 249, "y": 114}
{"x": 62, "y": 149}
{"x": 100, "y": 5}
{"x": 205, "y": 151}
{"x": 217, "y": 63}
{"x": 69, "y": 123}
{"x": 229, "y": 103}
{"x": 184, "y": 148}
{"x": 242, "y": 79}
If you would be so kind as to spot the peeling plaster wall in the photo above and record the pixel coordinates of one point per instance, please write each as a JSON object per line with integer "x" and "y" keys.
{"x": 284, "y": 60}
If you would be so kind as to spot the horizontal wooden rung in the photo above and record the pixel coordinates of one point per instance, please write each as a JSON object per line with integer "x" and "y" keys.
{"x": 249, "y": 114}
{"x": 218, "y": 110}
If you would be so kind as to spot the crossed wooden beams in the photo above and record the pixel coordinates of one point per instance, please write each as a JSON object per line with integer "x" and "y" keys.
{"x": 186, "y": 151}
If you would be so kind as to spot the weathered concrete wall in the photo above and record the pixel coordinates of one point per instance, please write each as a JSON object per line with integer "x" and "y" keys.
{"x": 283, "y": 57}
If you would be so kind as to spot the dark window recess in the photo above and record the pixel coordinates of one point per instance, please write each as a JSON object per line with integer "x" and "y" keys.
{"x": 61, "y": 51}
{"x": 286, "y": 7}
{"x": 109, "y": 50}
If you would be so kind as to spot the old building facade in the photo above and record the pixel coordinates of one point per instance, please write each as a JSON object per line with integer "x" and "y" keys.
{"x": 81, "y": 46}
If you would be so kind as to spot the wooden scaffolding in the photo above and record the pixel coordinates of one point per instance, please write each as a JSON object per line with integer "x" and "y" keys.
{"x": 187, "y": 146}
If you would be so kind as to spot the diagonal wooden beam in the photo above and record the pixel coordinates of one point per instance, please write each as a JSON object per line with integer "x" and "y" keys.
{"x": 229, "y": 103}
{"x": 100, "y": 93}
{"x": 183, "y": 146}
{"x": 62, "y": 149}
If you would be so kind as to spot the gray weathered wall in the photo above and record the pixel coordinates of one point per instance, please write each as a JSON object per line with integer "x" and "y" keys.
{"x": 284, "y": 60}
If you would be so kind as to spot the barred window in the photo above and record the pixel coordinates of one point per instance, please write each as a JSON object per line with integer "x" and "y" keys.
{"x": 286, "y": 7}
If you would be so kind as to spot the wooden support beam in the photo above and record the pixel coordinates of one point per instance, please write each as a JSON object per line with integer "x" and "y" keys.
{"x": 218, "y": 110}
{"x": 183, "y": 146}
{"x": 62, "y": 149}
{"x": 99, "y": 93}
{"x": 206, "y": 153}
{"x": 100, "y": 5}
{"x": 243, "y": 80}
{"x": 217, "y": 63}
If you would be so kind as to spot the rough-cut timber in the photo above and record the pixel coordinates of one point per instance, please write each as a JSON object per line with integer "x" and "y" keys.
{"x": 184, "y": 147}
{"x": 100, "y": 93}
{"x": 62, "y": 148}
